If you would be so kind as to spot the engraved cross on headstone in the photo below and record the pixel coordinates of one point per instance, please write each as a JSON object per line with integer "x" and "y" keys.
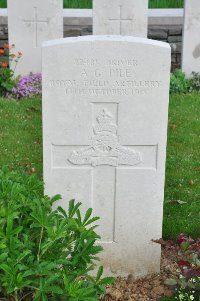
{"x": 35, "y": 23}
{"x": 103, "y": 158}
{"x": 120, "y": 20}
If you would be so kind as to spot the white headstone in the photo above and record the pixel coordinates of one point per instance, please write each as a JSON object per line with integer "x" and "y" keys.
{"x": 191, "y": 40}
{"x": 120, "y": 17}
{"x": 30, "y": 23}
{"x": 105, "y": 112}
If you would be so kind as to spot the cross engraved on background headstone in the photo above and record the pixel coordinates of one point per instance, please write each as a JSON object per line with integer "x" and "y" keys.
{"x": 35, "y": 23}
{"x": 120, "y": 19}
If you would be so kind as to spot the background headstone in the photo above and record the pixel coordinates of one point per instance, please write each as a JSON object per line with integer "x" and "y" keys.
{"x": 191, "y": 40}
{"x": 30, "y": 23}
{"x": 105, "y": 112}
{"x": 120, "y": 17}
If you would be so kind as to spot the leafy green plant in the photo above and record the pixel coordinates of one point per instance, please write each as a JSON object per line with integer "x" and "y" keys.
{"x": 196, "y": 81}
{"x": 45, "y": 253}
{"x": 179, "y": 83}
{"x": 7, "y": 80}
{"x": 187, "y": 284}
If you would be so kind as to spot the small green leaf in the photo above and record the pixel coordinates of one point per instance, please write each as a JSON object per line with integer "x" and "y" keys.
{"x": 87, "y": 215}
{"x": 3, "y": 256}
{"x": 171, "y": 282}
{"x": 107, "y": 280}
{"x": 62, "y": 211}
{"x": 99, "y": 273}
{"x": 92, "y": 220}
{"x": 184, "y": 246}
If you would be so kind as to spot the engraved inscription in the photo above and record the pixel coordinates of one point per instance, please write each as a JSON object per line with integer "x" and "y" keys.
{"x": 105, "y": 148}
{"x": 123, "y": 62}
{"x": 110, "y": 77}
{"x": 107, "y": 91}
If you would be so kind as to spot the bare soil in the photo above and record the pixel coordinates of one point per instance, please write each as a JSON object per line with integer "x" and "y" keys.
{"x": 149, "y": 288}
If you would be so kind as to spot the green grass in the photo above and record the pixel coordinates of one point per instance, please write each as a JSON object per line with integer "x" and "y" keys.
{"x": 88, "y": 3}
{"x": 183, "y": 167}
{"x": 21, "y": 135}
{"x": 21, "y": 147}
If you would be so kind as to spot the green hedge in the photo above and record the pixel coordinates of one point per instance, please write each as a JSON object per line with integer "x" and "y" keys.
{"x": 88, "y": 3}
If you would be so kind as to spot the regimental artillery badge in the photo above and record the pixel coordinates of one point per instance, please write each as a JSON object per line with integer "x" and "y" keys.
{"x": 105, "y": 148}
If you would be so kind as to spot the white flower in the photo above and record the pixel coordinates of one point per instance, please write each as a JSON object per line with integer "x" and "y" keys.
{"x": 181, "y": 297}
{"x": 191, "y": 297}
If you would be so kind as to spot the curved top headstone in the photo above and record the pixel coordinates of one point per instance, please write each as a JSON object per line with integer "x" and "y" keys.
{"x": 121, "y": 17}
{"x": 105, "y": 112}
{"x": 191, "y": 37}
{"x": 30, "y": 23}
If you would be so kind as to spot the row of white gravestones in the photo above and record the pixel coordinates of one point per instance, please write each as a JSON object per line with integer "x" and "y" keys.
{"x": 33, "y": 22}
{"x": 191, "y": 40}
{"x": 30, "y": 23}
{"x": 105, "y": 111}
